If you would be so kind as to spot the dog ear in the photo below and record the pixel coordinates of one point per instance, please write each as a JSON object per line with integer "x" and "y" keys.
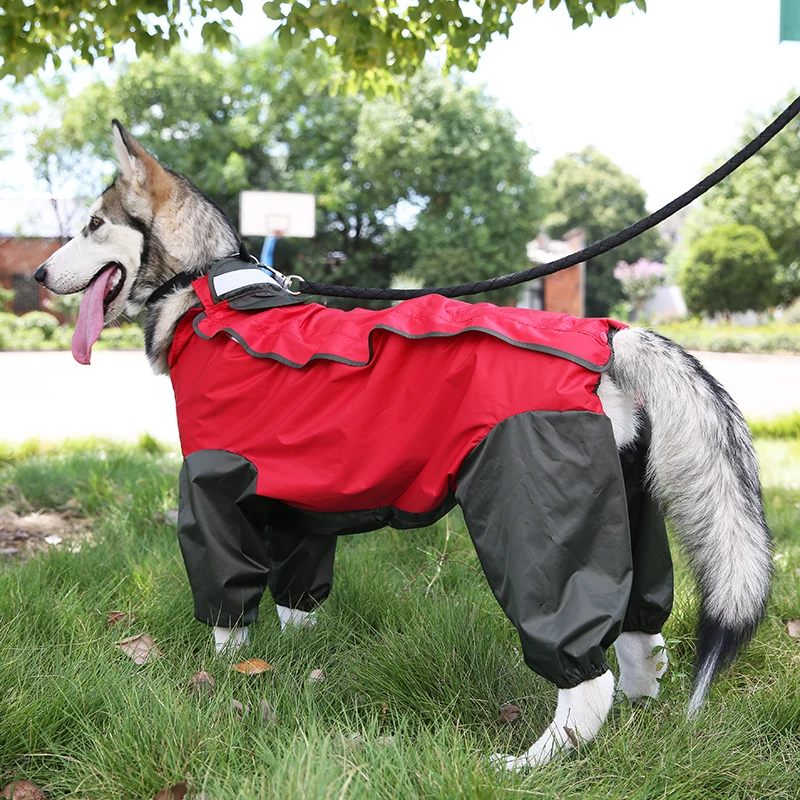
{"x": 135, "y": 163}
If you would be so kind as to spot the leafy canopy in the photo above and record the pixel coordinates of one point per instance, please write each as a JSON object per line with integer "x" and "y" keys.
{"x": 372, "y": 38}
{"x": 765, "y": 192}
{"x": 441, "y": 158}
{"x": 588, "y": 190}
{"x": 730, "y": 268}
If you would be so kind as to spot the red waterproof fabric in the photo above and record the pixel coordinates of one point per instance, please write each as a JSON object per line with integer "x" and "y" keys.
{"x": 392, "y": 425}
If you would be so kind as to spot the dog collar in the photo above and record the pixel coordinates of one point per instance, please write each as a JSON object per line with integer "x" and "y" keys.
{"x": 234, "y": 277}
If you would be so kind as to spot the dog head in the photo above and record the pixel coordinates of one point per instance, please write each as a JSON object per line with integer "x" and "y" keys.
{"x": 148, "y": 225}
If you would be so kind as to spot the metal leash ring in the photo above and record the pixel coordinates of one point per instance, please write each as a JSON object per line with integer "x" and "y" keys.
{"x": 288, "y": 284}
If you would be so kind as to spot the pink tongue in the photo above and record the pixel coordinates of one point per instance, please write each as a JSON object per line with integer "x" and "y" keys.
{"x": 90, "y": 317}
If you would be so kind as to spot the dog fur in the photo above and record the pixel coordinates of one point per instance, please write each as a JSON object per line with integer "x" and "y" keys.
{"x": 153, "y": 223}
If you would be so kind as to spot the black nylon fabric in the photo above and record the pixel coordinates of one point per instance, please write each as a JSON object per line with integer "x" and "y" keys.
{"x": 652, "y": 589}
{"x": 221, "y": 535}
{"x": 544, "y": 500}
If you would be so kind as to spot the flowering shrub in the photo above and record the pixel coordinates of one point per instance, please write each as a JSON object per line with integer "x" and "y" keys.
{"x": 639, "y": 280}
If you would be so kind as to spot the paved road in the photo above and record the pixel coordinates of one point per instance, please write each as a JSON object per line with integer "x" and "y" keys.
{"x": 50, "y": 396}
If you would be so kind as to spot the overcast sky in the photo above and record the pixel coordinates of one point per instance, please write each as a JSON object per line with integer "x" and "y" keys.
{"x": 662, "y": 93}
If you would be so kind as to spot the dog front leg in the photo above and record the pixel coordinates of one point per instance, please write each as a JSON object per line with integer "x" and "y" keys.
{"x": 230, "y": 639}
{"x": 580, "y": 713}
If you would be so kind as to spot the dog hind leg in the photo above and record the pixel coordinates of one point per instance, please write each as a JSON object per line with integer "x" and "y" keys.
{"x": 642, "y": 661}
{"x": 580, "y": 713}
{"x": 543, "y": 497}
{"x": 295, "y": 617}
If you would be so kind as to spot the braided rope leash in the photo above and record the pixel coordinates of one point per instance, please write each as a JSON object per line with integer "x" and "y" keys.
{"x": 592, "y": 251}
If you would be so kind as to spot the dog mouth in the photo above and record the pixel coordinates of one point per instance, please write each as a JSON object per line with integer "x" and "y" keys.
{"x": 101, "y": 292}
{"x": 114, "y": 285}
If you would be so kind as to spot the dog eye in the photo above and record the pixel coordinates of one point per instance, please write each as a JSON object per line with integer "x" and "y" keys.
{"x": 95, "y": 223}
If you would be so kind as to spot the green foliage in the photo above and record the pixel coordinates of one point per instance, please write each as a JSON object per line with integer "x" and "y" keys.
{"x": 765, "y": 192}
{"x": 776, "y": 337}
{"x": 589, "y": 191}
{"x": 38, "y": 330}
{"x": 67, "y": 305}
{"x": 6, "y": 299}
{"x": 785, "y": 427}
{"x": 374, "y": 40}
{"x": 31, "y": 34}
{"x": 45, "y": 322}
{"x": 443, "y": 150}
{"x": 731, "y": 268}
{"x": 449, "y": 152}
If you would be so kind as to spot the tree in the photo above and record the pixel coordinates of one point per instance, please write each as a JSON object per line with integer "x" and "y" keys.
{"x": 263, "y": 120}
{"x": 447, "y": 151}
{"x": 765, "y": 192}
{"x": 373, "y": 38}
{"x": 731, "y": 268}
{"x": 587, "y": 190}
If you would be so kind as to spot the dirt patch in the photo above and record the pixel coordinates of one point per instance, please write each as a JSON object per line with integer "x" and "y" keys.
{"x": 22, "y": 536}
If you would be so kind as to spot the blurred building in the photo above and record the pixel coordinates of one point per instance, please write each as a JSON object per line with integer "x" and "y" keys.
{"x": 31, "y": 229}
{"x": 564, "y": 291}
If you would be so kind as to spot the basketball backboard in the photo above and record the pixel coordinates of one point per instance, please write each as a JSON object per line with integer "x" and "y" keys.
{"x": 289, "y": 214}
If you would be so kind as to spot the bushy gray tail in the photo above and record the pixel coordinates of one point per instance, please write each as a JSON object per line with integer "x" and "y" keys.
{"x": 703, "y": 468}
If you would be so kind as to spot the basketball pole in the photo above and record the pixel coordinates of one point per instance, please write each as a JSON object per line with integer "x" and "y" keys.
{"x": 268, "y": 250}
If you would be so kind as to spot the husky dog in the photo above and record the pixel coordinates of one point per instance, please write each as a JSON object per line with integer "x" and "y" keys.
{"x": 150, "y": 240}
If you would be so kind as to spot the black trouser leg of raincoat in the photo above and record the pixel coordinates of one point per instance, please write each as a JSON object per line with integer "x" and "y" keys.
{"x": 234, "y": 544}
{"x": 650, "y": 603}
{"x": 301, "y": 568}
{"x": 221, "y": 526}
{"x": 544, "y": 500}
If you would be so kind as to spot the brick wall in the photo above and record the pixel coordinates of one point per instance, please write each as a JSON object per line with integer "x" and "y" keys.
{"x": 564, "y": 291}
{"x": 19, "y": 259}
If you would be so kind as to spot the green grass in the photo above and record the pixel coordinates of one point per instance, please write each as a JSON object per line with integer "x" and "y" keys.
{"x": 428, "y": 667}
{"x": 774, "y": 337}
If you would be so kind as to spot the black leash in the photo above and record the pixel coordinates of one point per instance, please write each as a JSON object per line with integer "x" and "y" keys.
{"x": 592, "y": 251}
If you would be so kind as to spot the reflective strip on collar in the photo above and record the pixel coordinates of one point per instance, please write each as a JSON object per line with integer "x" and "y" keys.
{"x": 236, "y": 279}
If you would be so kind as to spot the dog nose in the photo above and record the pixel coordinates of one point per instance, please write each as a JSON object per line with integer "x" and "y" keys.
{"x": 40, "y": 275}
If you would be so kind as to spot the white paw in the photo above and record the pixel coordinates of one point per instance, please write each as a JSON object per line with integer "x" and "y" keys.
{"x": 509, "y": 763}
{"x": 230, "y": 639}
{"x": 580, "y": 714}
{"x": 296, "y": 618}
{"x": 643, "y": 661}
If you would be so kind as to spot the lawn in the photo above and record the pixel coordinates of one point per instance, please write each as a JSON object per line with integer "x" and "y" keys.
{"x": 417, "y": 662}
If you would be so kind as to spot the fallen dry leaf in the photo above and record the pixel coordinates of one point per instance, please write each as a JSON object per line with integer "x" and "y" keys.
{"x": 509, "y": 714}
{"x": 202, "y": 683}
{"x": 241, "y": 710}
{"x": 253, "y": 666}
{"x": 571, "y": 736}
{"x": 119, "y": 618}
{"x": 793, "y": 628}
{"x": 140, "y": 649}
{"x": 176, "y": 792}
{"x": 268, "y": 716}
{"x": 22, "y": 790}
{"x": 316, "y": 675}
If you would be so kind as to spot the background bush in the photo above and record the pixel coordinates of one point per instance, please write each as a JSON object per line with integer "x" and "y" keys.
{"x": 731, "y": 268}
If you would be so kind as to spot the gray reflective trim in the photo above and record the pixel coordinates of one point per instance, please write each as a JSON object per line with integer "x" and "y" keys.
{"x": 539, "y": 348}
